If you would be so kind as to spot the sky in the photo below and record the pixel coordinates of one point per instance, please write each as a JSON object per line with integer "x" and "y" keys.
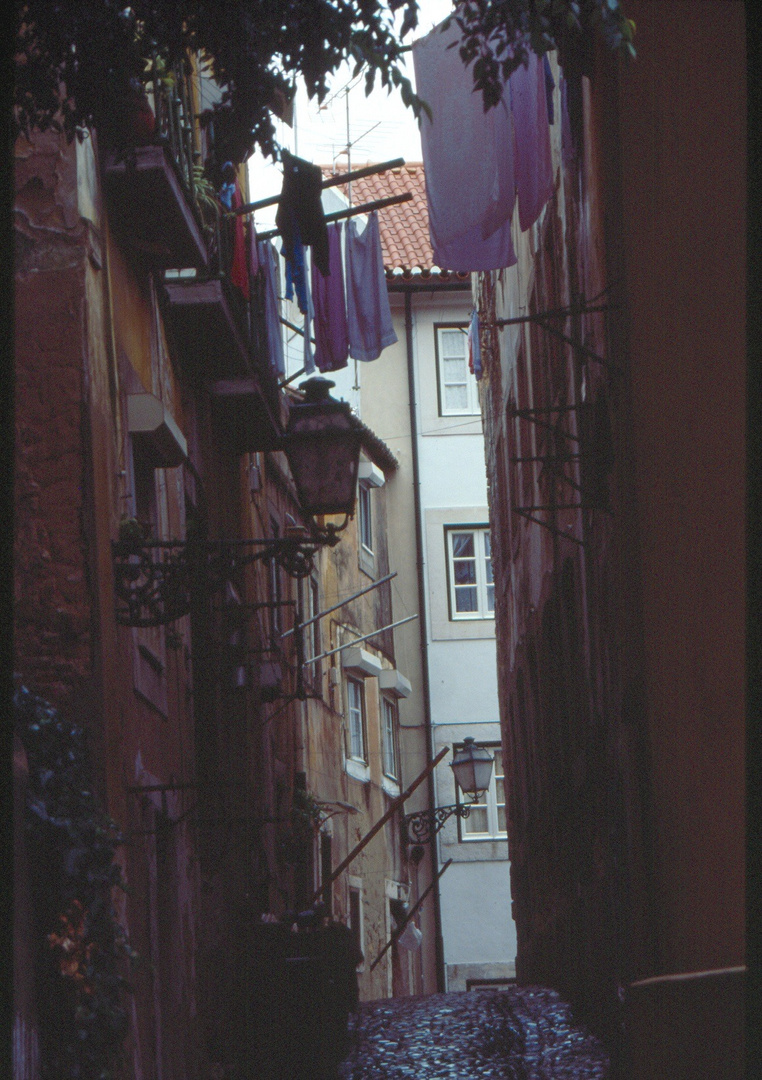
{"x": 379, "y": 127}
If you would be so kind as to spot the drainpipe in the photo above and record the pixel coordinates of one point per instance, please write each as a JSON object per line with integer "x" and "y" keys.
{"x": 422, "y": 625}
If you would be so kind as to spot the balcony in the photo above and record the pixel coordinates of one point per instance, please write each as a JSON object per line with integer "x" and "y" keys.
{"x": 149, "y": 178}
{"x": 216, "y": 334}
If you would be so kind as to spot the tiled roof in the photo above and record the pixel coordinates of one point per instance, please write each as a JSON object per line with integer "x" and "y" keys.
{"x": 404, "y": 228}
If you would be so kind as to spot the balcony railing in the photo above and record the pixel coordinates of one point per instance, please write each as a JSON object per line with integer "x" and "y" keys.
{"x": 149, "y": 174}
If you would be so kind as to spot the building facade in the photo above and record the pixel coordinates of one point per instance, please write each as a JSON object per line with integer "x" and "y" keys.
{"x": 615, "y": 461}
{"x": 152, "y": 609}
{"x": 421, "y": 394}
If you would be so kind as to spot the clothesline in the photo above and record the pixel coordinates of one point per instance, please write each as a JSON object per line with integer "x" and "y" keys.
{"x": 337, "y": 215}
{"x": 332, "y": 181}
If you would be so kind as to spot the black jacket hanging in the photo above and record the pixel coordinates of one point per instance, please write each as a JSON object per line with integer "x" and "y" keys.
{"x": 300, "y": 209}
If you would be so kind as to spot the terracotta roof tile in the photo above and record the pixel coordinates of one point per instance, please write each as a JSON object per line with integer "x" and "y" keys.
{"x": 404, "y": 228}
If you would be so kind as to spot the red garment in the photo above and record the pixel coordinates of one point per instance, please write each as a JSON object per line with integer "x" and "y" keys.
{"x": 239, "y": 273}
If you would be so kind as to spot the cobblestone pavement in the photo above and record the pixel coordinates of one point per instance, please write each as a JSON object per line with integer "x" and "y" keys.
{"x": 523, "y": 1033}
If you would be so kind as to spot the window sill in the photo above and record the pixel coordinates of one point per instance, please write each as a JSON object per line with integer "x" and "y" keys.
{"x": 358, "y": 770}
{"x": 486, "y": 838}
{"x": 391, "y": 787}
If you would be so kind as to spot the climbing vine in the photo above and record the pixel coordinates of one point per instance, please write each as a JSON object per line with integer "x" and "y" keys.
{"x": 81, "y": 947}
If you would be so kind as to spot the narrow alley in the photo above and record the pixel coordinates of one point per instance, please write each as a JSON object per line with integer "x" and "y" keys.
{"x": 523, "y": 1033}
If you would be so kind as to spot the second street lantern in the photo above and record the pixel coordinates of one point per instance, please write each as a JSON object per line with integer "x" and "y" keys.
{"x": 322, "y": 444}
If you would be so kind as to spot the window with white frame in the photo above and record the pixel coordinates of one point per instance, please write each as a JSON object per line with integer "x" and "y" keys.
{"x": 365, "y": 516}
{"x": 356, "y": 921}
{"x": 356, "y": 719}
{"x": 458, "y": 392}
{"x": 469, "y": 568}
{"x": 486, "y": 820}
{"x": 389, "y": 738}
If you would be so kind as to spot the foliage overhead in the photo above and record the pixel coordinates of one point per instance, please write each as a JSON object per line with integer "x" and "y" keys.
{"x": 75, "y": 59}
{"x": 497, "y": 36}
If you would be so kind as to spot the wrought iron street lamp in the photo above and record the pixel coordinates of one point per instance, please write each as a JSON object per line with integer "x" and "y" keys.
{"x": 155, "y": 580}
{"x": 322, "y": 444}
{"x": 472, "y": 768}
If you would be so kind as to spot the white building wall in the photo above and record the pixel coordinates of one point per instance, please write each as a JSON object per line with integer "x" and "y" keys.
{"x": 479, "y": 939}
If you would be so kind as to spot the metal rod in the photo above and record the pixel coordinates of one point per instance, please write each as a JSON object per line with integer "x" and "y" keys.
{"x": 366, "y": 208}
{"x": 393, "y": 808}
{"x": 356, "y": 641}
{"x": 297, "y": 330}
{"x": 576, "y": 345}
{"x": 397, "y": 934}
{"x": 551, "y": 528}
{"x": 356, "y": 174}
{"x": 301, "y": 371}
{"x": 545, "y": 411}
{"x": 551, "y": 506}
{"x": 341, "y": 603}
{"x": 538, "y": 316}
{"x": 547, "y": 457}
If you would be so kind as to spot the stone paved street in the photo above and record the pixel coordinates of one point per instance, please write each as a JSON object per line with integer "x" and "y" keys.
{"x": 524, "y": 1033}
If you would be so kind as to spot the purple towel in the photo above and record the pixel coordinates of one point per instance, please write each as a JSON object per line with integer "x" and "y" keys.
{"x": 369, "y": 316}
{"x": 534, "y": 170}
{"x": 268, "y": 261}
{"x": 468, "y": 160}
{"x": 331, "y": 331}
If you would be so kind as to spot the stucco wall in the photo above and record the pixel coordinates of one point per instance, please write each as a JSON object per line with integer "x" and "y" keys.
{"x": 683, "y": 147}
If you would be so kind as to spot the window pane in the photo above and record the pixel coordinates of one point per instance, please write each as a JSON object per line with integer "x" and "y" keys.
{"x": 465, "y": 572}
{"x": 453, "y": 343}
{"x": 455, "y": 370}
{"x": 366, "y": 519}
{"x": 476, "y": 822}
{"x": 356, "y": 740}
{"x": 456, "y": 397}
{"x": 465, "y": 599}
{"x": 490, "y": 598}
{"x": 462, "y": 544}
{"x": 502, "y": 824}
{"x": 390, "y": 756}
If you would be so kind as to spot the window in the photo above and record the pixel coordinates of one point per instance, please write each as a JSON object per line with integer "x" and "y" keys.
{"x": 276, "y": 591}
{"x": 311, "y": 634}
{"x": 355, "y": 917}
{"x": 472, "y": 588}
{"x": 486, "y": 820}
{"x": 389, "y": 738}
{"x": 356, "y": 716}
{"x": 458, "y": 392}
{"x": 365, "y": 512}
{"x": 149, "y": 508}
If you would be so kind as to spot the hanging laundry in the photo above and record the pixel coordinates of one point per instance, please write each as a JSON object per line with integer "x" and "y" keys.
{"x": 300, "y": 209}
{"x": 231, "y": 198}
{"x": 268, "y": 261}
{"x": 369, "y": 316}
{"x": 468, "y": 160}
{"x": 534, "y": 169}
{"x": 309, "y": 359}
{"x": 331, "y": 331}
{"x": 253, "y": 250}
{"x": 296, "y": 274}
{"x": 550, "y": 85}
{"x": 567, "y": 141}
{"x": 474, "y": 346}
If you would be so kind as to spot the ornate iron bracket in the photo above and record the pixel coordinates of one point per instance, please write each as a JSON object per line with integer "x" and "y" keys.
{"x": 157, "y": 581}
{"x": 422, "y": 826}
